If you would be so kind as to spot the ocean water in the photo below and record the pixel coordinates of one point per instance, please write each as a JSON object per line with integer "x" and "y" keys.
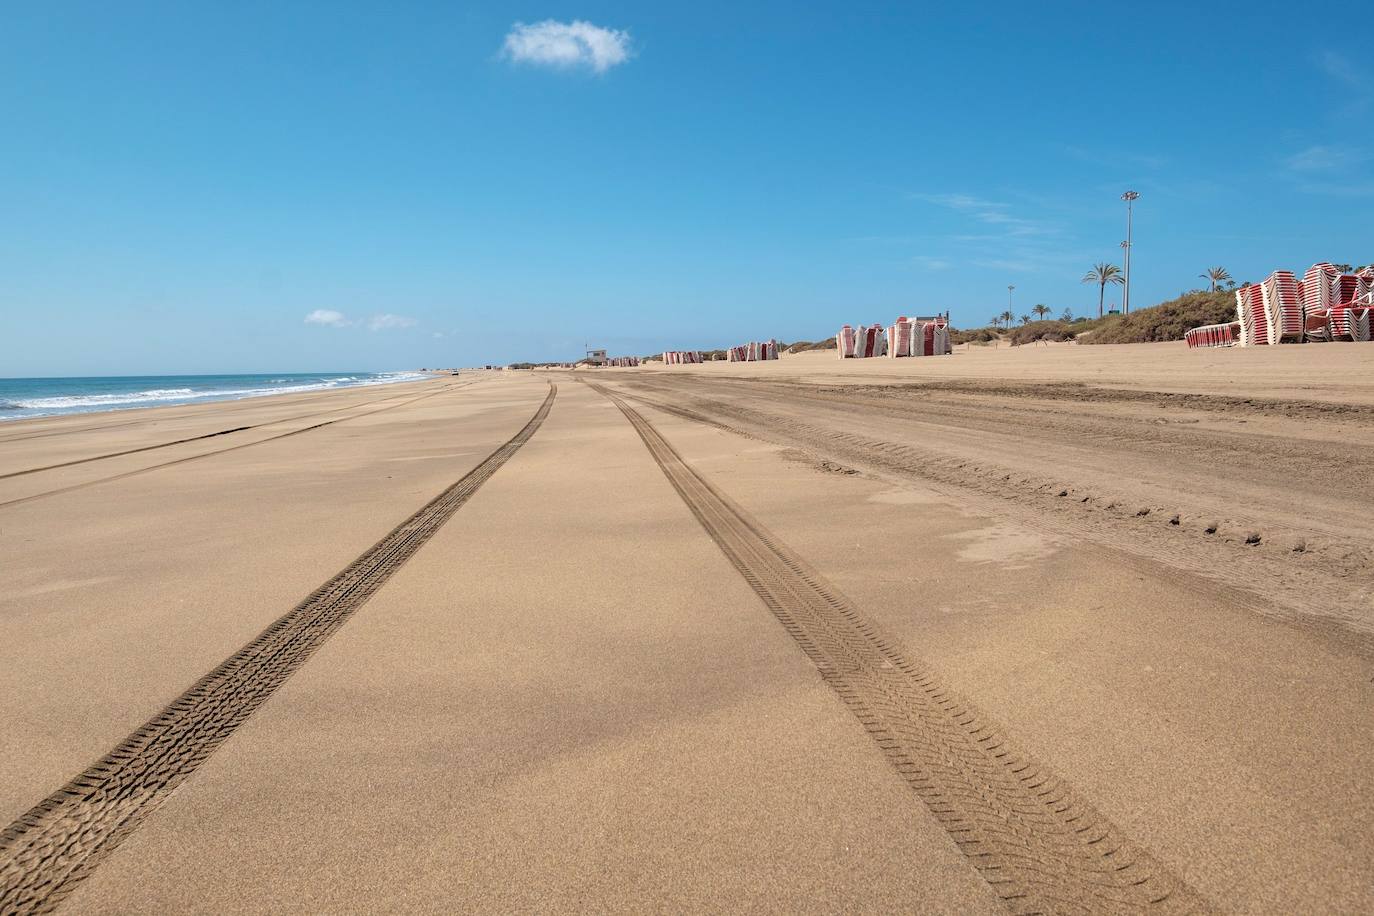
{"x": 21, "y": 398}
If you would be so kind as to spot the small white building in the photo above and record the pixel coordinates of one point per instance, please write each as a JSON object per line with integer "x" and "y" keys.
{"x": 596, "y": 357}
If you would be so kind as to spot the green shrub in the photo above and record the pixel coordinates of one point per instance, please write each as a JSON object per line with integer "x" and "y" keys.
{"x": 1042, "y": 330}
{"x": 973, "y": 335}
{"x": 1166, "y": 321}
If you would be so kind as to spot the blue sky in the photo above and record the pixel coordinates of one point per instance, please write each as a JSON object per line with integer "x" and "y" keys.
{"x": 182, "y": 184}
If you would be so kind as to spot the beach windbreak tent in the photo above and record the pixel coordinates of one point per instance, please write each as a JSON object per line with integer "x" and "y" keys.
{"x": 753, "y": 351}
{"x": 905, "y": 337}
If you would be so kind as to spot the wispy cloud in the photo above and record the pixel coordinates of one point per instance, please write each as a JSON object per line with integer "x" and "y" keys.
{"x": 990, "y": 212}
{"x": 1325, "y": 158}
{"x": 1116, "y": 158}
{"x": 1342, "y": 189}
{"x": 382, "y": 321}
{"x": 931, "y": 263}
{"x": 1340, "y": 68}
{"x": 567, "y": 45}
{"x": 389, "y": 322}
{"x": 328, "y": 318}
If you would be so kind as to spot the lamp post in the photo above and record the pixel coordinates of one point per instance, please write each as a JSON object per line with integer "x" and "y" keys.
{"x": 1009, "y": 289}
{"x": 1130, "y": 198}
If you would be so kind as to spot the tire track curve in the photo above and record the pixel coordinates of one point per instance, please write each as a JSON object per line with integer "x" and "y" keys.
{"x": 1041, "y": 847}
{"x": 213, "y": 435}
{"x": 47, "y": 851}
{"x": 233, "y": 448}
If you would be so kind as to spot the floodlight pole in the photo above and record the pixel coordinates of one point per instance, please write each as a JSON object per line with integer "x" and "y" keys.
{"x": 1130, "y": 198}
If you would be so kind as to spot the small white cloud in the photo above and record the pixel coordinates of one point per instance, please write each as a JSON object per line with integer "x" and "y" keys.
{"x": 567, "y": 44}
{"x": 1326, "y": 158}
{"x": 1340, "y": 68}
{"x": 388, "y": 322}
{"x": 328, "y": 318}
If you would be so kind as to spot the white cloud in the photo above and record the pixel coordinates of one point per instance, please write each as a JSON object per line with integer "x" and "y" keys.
{"x": 566, "y": 45}
{"x": 387, "y": 322}
{"x": 328, "y": 318}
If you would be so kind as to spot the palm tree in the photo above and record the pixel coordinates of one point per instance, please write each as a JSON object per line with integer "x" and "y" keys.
{"x": 1007, "y": 318}
{"x": 1025, "y": 319}
{"x": 1067, "y": 316}
{"x": 996, "y": 320}
{"x": 1215, "y": 275}
{"x": 1102, "y": 274}
{"x": 1041, "y": 311}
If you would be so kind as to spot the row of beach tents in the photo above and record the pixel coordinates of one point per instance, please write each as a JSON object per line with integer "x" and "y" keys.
{"x": 750, "y": 352}
{"x": 905, "y": 337}
{"x": 1325, "y": 305}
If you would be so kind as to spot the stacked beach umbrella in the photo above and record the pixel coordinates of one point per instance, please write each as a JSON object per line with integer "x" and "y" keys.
{"x": 1325, "y": 305}
{"x": 679, "y": 357}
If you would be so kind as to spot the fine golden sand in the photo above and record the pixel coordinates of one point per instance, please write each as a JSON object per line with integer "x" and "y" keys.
{"x": 570, "y": 699}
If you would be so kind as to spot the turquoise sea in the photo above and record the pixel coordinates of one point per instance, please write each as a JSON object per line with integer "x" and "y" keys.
{"x": 21, "y": 398}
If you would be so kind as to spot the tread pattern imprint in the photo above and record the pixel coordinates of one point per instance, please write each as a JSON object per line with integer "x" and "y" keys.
{"x": 1041, "y": 848}
{"x": 47, "y": 851}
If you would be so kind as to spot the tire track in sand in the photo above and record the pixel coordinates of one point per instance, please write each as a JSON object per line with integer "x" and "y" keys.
{"x": 221, "y": 451}
{"x": 1317, "y": 598}
{"x": 58, "y": 842}
{"x": 1042, "y": 848}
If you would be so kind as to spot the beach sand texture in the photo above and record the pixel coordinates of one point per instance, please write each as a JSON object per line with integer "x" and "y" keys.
{"x": 1048, "y": 629}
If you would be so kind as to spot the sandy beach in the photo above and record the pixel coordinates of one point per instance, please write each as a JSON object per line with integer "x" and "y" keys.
{"x": 1060, "y": 628}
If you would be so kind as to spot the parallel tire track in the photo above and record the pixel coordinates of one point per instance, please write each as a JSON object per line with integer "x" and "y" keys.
{"x": 1314, "y": 598}
{"x": 57, "y": 843}
{"x": 1042, "y": 848}
{"x": 213, "y": 435}
{"x": 232, "y": 448}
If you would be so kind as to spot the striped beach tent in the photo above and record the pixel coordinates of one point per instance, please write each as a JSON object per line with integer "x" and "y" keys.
{"x": 862, "y": 342}
{"x": 845, "y": 342}
{"x": 899, "y": 337}
{"x": 872, "y": 341}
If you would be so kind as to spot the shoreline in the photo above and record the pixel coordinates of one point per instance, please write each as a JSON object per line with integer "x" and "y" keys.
{"x": 208, "y": 398}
